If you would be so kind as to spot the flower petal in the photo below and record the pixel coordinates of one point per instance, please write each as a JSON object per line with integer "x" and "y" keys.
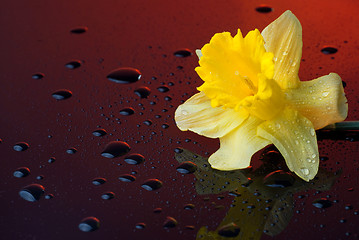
{"x": 321, "y": 100}
{"x": 283, "y": 38}
{"x": 238, "y": 146}
{"x": 197, "y": 115}
{"x": 295, "y": 138}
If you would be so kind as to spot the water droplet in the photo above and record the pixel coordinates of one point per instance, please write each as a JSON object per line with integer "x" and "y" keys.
{"x": 49, "y": 196}
{"x": 38, "y": 75}
{"x": 312, "y": 132}
{"x": 230, "y": 230}
{"x": 314, "y": 155}
{"x": 305, "y": 171}
{"x": 73, "y": 64}
{"x": 115, "y": 149}
{"x": 189, "y": 206}
{"x": 187, "y": 167}
{"x": 51, "y": 160}
{"x": 329, "y": 50}
{"x": 324, "y": 94}
{"x": 140, "y": 225}
{"x": 178, "y": 150}
{"x": 127, "y": 178}
{"x": 183, "y": 53}
{"x": 108, "y": 196}
{"x": 99, "y": 132}
{"x": 296, "y": 142}
{"x": 124, "y": 75}
{"x": 135, "y": 159}
{"x": 163, "y": 89}
{"x": 127, "y": 111}
{"x": 309, "y": 160}
{"x": 79, "y": 30}
{"x": 264, "y": 9}
{"x": 71, "y": 150}
{"x": 147, "y": 122}
{"x": 152, "y": 184}
{"x": 157, "y": 210}
{"x": 322, "y": 203}
{"x": 89, "y": 224}
{"x": 184, "y": 112}
{"x": 143, "y": 92}
{"x": 21, "y": 172}
{"x": 170, "y": 222}
{"x": 40, "y": 177}
{"x": 62, "y": 94}
{"x": 99, "y": 181}
{"x": 165, "y": 126}
{"x": 21, "y": 146}
{"x": 32, "y": 192}
{"x": 279, "y": 178}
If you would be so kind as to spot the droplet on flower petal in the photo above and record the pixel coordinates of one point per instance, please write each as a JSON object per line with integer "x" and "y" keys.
{"x": 127, "y": 111}
{"x": 124, "y": 75}
{"x": 127, "y": 178}
{"x": 99, "y": 132}
{"x": 99, "y": 181}
{"x": 143, "y": 92}
{"x": 89, "y": 224}
{"x": 38, "y": 76}
{"x": 305, "y": 171}
{"x": 73, "y": 64}
{"x": 108, "y": 196}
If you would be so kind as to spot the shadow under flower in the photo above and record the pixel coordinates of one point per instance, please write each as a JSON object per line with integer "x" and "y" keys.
{"x": 263, "y": 200}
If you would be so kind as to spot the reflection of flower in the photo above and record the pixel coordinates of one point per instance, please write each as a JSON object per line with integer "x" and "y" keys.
{"x": 258, "y": 206}
{"x": 252, "y": 96}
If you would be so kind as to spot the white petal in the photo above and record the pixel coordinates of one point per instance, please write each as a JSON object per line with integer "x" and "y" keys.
{"x": 283, "y": 38}
{"x": 197, "y": 115}
{"x": 295, "y": 138}
{"x": 238, "y": 146}
{"x": 321, "y": 100}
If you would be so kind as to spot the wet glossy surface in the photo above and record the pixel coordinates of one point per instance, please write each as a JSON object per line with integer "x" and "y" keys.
{"x": 93, "y": 192}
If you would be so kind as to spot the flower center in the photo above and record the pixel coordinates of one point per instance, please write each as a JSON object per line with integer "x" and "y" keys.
{"x": 237, "y": 73}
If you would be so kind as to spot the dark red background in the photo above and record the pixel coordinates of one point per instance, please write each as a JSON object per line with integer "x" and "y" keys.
{"x": 35, "y": 37}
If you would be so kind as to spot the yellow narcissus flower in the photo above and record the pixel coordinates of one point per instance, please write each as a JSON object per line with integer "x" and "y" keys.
{"x": 252, "y": 97}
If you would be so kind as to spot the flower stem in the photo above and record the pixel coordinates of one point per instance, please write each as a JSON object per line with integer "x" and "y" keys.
{"x": 343, "y": 126}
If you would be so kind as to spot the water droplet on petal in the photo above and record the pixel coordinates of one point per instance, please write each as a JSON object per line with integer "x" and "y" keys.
{"x": 32, "y": 192}
{"x": 71, "y": 150}
{"x": 62, "y": 94}
{"x": 115, "y": 149}
{"x": 152, "y": 184}
{"x": 305, "y": 171}
{"x": 312, "y": 132}
{"x": 184, "y": 112}
{"x": 324, "y": 94}
{"x": 124, "y": 75}
{"x": 21, "y": 146}
{"x": 73, "y": 64}
{"x": 183, "y": 53}
{"x": 89, "y": 224}
{"x": 163, "y": 89}
{"x": 21, "y": 172}
{"x": 140, "y": 225}
{"x": 187, "y": 167}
